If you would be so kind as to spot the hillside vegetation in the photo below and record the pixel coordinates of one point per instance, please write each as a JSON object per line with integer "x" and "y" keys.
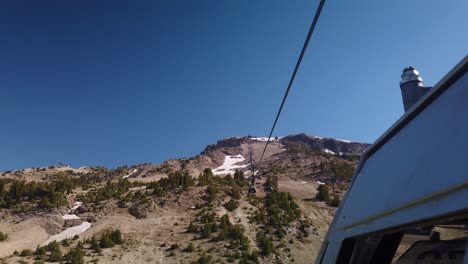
{"x": 178, "y": 211}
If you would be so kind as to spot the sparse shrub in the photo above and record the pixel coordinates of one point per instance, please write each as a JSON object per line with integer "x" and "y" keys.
{"x": 54, "y": 245}
{"x": 259, "y": 217}
{"x": 252, "y": 200}
{"x": 80, "y": 244}
{"x": 26, "y": 252}
{"x": 56, "y": 254}
{"x": 95, "y": 245}
{"x": 172, "y": 182}
{"x": 210, "y": 250}
{"x": 234, "y": 233}
{"x": 174, "y": 246}
{"x": 265, "y": 244}
{"x": 280, "y": 210}
{"x": 192, "y": 228}
{"x": 335, "y": 202}
{"x": 65, "y": 243}
{"x": 40, "y": 251}
{"x": 338, "y": 168}
{"x": 248, "y": 258}
{"x": 235, "y": 193}
{"x": 106, "y": 242}
{"x": 231, "y": 205}
{"x": 204, "y": 259}
{"x": 3, "y": 237}
{"x": 116, "y": 236}
{"x": 111, "y": 238}
{"x": 189, "y": 248}
{"x": 75, "y": 256}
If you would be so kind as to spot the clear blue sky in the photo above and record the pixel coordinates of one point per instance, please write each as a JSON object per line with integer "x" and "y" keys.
{"x": 113, "y": 82}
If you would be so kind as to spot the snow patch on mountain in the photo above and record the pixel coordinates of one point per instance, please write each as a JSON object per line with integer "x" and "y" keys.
{"x": 69, "y": 216}
{"x": 130, "y": 174}
{"x": 328, "y": 151}
{"x": 72, "y": 231}
{"x": 264, "y": 139}
{"x": 344, "y": 140}
{"x": 69, "y": 233}
{"x": 229, "y": 166}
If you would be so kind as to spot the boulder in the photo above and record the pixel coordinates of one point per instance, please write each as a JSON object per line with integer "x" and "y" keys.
{"x": 81, "y": 210}
{"x": 139, "y": 212}
{"x": 92, "y": 219}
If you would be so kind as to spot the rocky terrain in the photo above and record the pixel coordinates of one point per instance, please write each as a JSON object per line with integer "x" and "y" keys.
{"x": 195, "y": 210}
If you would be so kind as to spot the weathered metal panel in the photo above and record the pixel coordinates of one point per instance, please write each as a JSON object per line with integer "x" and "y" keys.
{"x": 415, "y": 171}
{"x": 427, "y": 156}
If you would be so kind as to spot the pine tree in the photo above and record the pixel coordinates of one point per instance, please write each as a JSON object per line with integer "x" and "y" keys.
{"x": 235, "y": 193}
{"x": 95, "y": 245}
{"x": 206, "y": 231}
{"x": 323, "y": 193}
{"x": 40, "y": 251}
{"x": 55, "y": 255}
{"x": 106, "y": 241}
{"x": 116, "y": 237}
{"x": 225, "y": 223}
{"x": 211, "y": 193}
{"x": 75, "y": 256}
{"x": 231, "y": 205}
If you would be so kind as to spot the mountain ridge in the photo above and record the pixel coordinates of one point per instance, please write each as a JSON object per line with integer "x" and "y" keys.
{"x": 180, "y": 203}
{"x": 233, "y": 146}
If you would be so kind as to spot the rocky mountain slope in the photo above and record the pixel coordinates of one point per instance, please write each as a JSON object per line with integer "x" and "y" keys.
{"x": 181, "y": 211}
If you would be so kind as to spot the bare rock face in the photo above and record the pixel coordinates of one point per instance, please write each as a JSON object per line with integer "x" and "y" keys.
{"x": 81, "y": 210}
{"x": 53, "y": 224}
{"x": 139, "y": 211}
{"x": 320, "y": 143}
{"x": 72, "y": 222}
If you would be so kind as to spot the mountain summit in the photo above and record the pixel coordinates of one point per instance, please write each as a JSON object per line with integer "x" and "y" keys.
{"x": 236, "y": 152}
